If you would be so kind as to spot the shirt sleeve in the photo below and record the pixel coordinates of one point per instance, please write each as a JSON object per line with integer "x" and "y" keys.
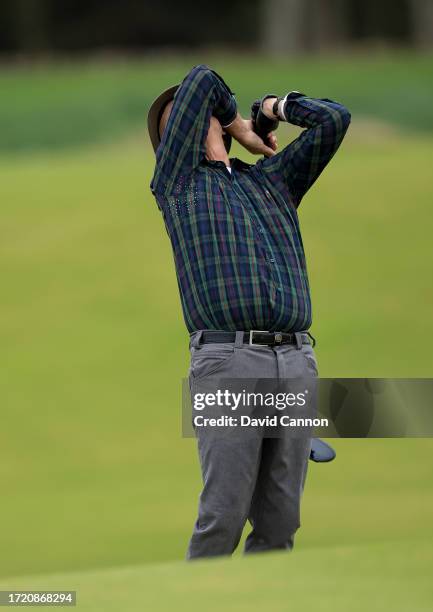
{"x": 301, "y": 162}
{"x": 202, "y": 93}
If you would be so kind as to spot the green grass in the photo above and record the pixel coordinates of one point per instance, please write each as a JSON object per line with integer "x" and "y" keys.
{"x": 99, "y": 491}
{"x": 375, "y": 577}
{"x": 93, "y": 467}
{"x": 58, "y": 105}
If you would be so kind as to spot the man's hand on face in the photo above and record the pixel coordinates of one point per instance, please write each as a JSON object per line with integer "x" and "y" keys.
{"x": 242, "y": 131}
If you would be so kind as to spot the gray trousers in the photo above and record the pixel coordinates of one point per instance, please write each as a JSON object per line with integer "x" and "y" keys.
{"x": 252, "y": 477}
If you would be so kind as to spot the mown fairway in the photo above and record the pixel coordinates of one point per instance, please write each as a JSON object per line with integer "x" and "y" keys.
{"x": 93, "y": 470}
{"x": 372, "y": 576}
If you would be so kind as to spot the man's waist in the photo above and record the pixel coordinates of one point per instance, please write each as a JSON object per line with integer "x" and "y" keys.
{"x": 257, "y": 337}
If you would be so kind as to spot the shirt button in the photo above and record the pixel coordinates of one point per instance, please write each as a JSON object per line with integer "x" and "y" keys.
{"x": 268, "y": 193}
{"x": 272, "y": 260}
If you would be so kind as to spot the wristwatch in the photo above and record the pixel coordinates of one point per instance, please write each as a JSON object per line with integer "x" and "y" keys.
{"x": 278, "y": 105}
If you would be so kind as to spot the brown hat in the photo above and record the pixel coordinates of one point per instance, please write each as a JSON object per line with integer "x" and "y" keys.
{"x": 155, "y": 113}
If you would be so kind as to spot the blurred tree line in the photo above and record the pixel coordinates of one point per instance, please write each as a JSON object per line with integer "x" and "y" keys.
{"x": 33, "y": 26}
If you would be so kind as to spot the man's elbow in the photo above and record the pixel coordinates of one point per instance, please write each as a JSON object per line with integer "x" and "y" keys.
{"x": 337, "y": 116}
{"x": 200, "y": 68}
{"x": 345, "y": 116}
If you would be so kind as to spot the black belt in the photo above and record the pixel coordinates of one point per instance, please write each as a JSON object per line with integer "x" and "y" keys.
{"x": 264, "y": 338}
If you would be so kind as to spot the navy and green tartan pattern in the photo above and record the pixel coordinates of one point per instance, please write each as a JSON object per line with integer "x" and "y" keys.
{"x": 236, "y": 239}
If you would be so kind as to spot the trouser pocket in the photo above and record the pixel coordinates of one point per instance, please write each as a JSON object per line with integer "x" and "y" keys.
{"x": 209, "y": 359}
{"x": 310, "y": 360}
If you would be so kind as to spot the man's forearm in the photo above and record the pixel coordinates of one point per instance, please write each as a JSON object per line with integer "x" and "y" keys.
{"x": 307, "y": 112}
{"x": 302, "y": 161}
{"x": 242, "y": 131}
{"x": 237, "y": 127}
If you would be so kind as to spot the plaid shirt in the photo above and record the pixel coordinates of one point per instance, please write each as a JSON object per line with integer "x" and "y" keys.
{"x": 236, "y": 239}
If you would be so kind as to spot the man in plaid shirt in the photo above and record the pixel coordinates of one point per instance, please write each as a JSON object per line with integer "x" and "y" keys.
{"x": 243, "y": 283}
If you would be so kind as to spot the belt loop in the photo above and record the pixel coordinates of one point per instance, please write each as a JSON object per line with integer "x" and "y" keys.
{"x": 239, "y": 340}
{"x": 298, "y": 337}
{"x": 196, "y": 340}
{"x": 313, "y": 339}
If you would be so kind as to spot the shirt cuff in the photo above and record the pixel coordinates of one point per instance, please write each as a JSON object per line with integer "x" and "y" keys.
{"x": 226, "y": 108}
{"x": 226, "y": 125}
{"x": 282, "y": 105}
{"x": 227, "y": 117}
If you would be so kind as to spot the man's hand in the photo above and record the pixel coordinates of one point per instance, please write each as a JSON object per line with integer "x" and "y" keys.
{"x": 272, "y": 139}
{"x": 242, "y": 131}
{"x": 268, "y": 108}
{"x": 262, "y": 123}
